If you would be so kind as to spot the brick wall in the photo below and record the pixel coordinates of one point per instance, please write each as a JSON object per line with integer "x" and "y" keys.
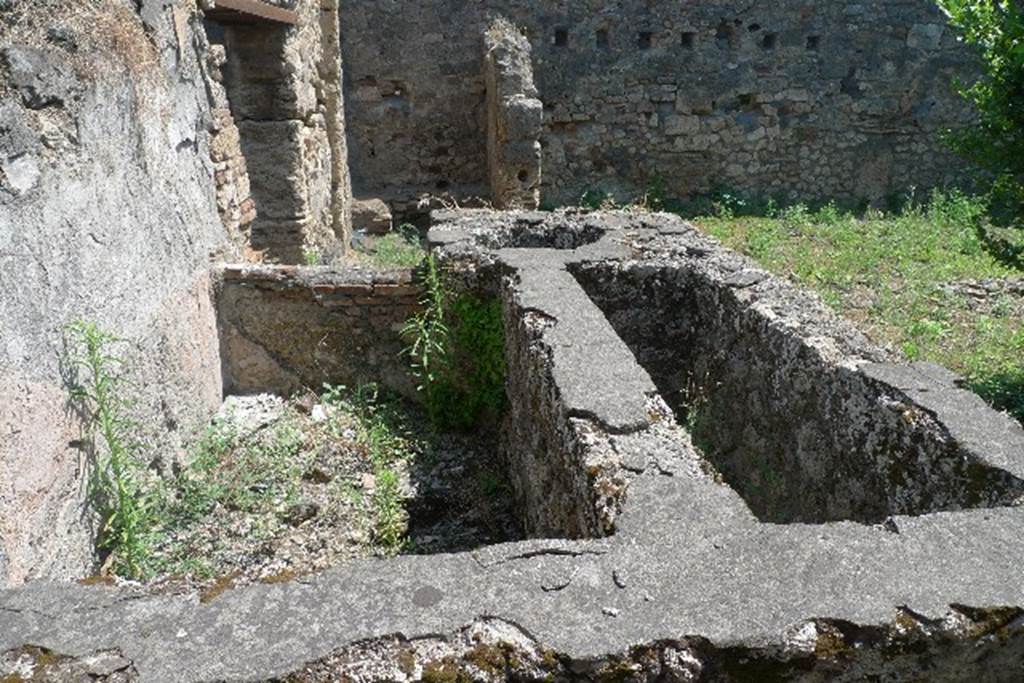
{"x": 287, "y": 327}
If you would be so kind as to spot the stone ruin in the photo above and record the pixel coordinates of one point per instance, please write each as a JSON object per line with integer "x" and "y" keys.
{"x": 719, "y": 479}
{"x": 884, "y": 546}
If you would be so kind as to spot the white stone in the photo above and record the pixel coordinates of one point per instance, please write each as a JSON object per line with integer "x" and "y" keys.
{"x": 22, "y": 173}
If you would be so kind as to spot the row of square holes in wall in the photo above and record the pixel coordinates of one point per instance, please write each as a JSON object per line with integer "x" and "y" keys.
{"x": 687, "y": 39}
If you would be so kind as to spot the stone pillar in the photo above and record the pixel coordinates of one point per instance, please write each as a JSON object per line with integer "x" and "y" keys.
{"x": 231, "y": 175}
{"x": 514, "y": 119}
{"x": 330, "y": 69}
{"x": 283, "y": 84}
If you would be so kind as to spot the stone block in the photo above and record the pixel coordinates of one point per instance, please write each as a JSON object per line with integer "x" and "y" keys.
{"x": 925, "y": 36}
{"x": 372, "y": 216}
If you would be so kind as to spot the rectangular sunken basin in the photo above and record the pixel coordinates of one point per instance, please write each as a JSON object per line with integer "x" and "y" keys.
{"x": 798, "y": 412}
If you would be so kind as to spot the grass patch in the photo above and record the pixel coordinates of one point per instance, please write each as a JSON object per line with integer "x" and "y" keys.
{"x": 382, "y": 429}
{"x": 891, "y": 273}
{"x": 400, "y": 249}
{"x": 249, "y": 482}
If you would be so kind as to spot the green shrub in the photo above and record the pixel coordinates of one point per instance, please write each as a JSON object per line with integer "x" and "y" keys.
{"x": 995, "y": 141}
{"x": 457, "y": 350}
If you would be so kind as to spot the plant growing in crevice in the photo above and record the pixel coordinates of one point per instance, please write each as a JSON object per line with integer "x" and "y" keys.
{"x": 694, "y": 411}
{"x": 312, "y": 256}
{"x": 457, "y": 351}
{"x": 428, "y": 335}
{"x": 99, "y": 393}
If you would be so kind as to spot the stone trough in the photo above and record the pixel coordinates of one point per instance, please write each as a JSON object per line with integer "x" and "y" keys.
{"x": 843, "y": 515}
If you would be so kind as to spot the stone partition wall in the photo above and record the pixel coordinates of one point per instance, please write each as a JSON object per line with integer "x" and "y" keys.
{"x": 800, "y": 414}
{"x": 797, "y": 410}
{"x": 806, "y": 100}
{"x": 514, "y": 118}
{"x": 283, "y": 328}
{"x": 686, "y": 584}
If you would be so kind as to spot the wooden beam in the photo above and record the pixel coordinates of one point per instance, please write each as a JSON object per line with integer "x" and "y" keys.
{"x": 250, "y": 11}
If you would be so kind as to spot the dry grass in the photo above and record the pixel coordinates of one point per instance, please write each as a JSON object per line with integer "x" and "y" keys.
{"x": 105, "y": 32}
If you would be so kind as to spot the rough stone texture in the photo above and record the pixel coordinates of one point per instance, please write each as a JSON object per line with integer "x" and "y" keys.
{"x": 372, "y": 216}
{"x": 833, "y": 100}
{"x": 37, "y": 664}
{"x": 787, "y": 400}
{"x": 799, "y": 412}
{"x": 115, "y": 224}
{"x": 231, "y": 174}
{"x": 283, "y": 84}
{"x": 691, "y": 586}
{"x": 282, "y": 328}
{"x": 514, "y": 119}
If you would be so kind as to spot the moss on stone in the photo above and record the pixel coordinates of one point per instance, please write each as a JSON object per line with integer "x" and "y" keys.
{"x": 407, "y": 662}
{"x": 221, "y": 585}
{"x": 446, "y": 670}
{"x": 490, "y": 659}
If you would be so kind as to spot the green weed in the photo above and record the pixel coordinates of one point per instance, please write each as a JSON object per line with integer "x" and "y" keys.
{"x": 312, "y": 256}
{"x": 401, "y": 249}
{"x": 100, "y": 394}
{"x": 381, "y": 428}
{"x": 457, "y": 352}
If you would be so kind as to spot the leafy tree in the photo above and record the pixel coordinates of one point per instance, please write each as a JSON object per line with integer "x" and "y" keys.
{"x": 996, "y": 140}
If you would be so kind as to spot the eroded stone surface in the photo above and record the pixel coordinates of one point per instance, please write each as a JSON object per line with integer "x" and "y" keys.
{"x": 514, "y": 119}
{"x": 107, "y": 213}
{"x": 707, "y": 590}
{"x": 286, "y": 327}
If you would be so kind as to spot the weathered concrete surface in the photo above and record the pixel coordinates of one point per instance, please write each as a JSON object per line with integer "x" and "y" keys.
{"x": 691, "y": 586}
{"x": 107, "y": 213}
{"x": 798, "y": 411}
{"x": 743, "y": 587}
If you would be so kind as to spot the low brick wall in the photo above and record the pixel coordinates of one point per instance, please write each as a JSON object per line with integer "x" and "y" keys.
{"x": 287, "y": 327}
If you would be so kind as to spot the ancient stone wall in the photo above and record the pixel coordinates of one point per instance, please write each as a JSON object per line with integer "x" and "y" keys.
{"x": 107, "y": 214}
{"x": 797, "y": 410}
{"x": 686, "y": 584}
{"x": 785, "y": 400}
{"x": 284, "y": 328}
{"x": 832, "y": 100}
{"x": 231, "y": 174}
{"x": 283, "y": 84}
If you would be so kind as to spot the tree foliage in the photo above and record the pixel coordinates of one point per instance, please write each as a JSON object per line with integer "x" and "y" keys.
{"x": 996, "y": 140}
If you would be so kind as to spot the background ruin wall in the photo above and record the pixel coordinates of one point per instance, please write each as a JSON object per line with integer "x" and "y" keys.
{"x": 813, "y": 100}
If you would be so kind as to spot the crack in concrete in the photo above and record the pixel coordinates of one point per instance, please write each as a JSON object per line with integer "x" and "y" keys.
{"x": 541, "y": 552}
